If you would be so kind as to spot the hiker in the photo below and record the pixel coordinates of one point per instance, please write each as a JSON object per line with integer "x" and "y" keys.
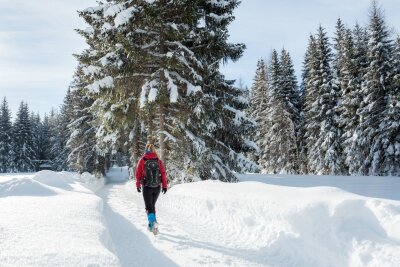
{"x": 150, "y": 175}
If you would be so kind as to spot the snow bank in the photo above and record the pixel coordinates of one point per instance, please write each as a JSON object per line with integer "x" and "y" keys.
{"x": 61, "y": 180}
{"x": 24, "y": 186}
{"x": 50, "y": 219}
{"x": 256, "y": 224}
{"x": 369, "y": 186}
{"x": 92, "y": 182}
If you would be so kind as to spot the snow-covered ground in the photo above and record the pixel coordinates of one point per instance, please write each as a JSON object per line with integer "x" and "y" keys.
{"x": 371, "y": 186}
{"x": 51, "y": 219}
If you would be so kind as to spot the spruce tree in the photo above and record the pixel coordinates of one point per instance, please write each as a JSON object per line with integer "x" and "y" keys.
{"x": 6, "y": 148}
{"x": 227, "y": 143}
{"x": 36, "y": 125}
{"x": 22, "y": 140}
{"x": 307, "y": 71}
{"x": 292, "y": 96}
{"x": 369, "y": 144}
{"x": 258, "y": 103}
{"x": 83, "y": 156}
{"x": 360, "y": 37}
{"x": 258, "y": 90}
{"x": 339, "y": 46}
{"x": 280, "y": 142}
{"x": 45, "y": 139}
{"x": 112, "y": 69}
{"x": 350, "y": 85}
{"x": 391, "y": 122}
{"x": 59, "y": 148}
{"x": 321, "y": 131}
{"x": 152, "y": 67}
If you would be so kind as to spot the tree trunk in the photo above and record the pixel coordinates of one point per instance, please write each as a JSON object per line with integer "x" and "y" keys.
{"x": 162, "y": 135}
{"x": 164, "y": 88}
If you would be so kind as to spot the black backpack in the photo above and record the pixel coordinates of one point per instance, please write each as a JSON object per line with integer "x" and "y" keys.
{"x": 152, "y": 173}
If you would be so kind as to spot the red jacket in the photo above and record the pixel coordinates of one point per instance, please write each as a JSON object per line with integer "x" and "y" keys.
{"x": 140, "y": 173}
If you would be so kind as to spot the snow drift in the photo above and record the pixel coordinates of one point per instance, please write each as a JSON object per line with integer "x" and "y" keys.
{"x": 50, "y": 219}
{"x": 251, "y": 223}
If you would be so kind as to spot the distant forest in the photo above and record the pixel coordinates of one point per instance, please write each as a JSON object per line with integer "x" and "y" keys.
{"x": 344, "y": 118}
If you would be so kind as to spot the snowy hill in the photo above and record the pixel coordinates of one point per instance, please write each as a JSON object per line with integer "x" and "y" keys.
{"x": 53, "y": 219}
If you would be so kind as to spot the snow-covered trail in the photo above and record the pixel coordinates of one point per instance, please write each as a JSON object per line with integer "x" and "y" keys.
{"x": 181, "y": 241}
{"x": 126, "y": 221}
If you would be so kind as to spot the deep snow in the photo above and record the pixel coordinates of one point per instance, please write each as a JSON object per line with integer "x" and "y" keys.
{"x": 50, "y": 219}
{"x": 53, "y": 219}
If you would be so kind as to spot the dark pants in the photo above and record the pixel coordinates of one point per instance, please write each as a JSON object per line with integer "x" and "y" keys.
{"x": 150, "y": 195}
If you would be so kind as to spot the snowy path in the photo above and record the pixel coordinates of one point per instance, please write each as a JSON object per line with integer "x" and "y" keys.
{"x": 182, "y": 242}
{"x": 125, "y": 220}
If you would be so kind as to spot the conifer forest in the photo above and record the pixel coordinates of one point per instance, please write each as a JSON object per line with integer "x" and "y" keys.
{"x": 151, "y": 73}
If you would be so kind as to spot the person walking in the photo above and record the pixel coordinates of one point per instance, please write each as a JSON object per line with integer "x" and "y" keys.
{"x": 150, "y": 176}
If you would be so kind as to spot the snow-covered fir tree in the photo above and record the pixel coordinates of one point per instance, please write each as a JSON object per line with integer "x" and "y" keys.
{"x": 291, "y": 91}
{"x": 369, "y": 144}
{"x": 59, "y": 148}
{"x": 170, "y": 85}
{"x": 320, "y": 126}
{"x": 350, "y": 85}
{"x": 113, "y": 74}
{"x": 360, "y": 38}
{"x": 339, "y": 55}
{"x": 22, "y": 140}
{"x": 391, "y": 124}
{"x": 83, "y": 156}
{"x": 53, "y": 124}
{"x": 279, "y": 144}
{"x": 45, "y": 139}
{"x": 222, "y": 103}
{"x": 6, "y": 148}
{"x": 258, "y": 103}
{"x": 258, "y": 90}
{"x": 307, "y": 70}
{"x": 36, "y": 125}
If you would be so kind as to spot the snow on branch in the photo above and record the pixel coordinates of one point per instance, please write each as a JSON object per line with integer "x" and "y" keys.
{"x": 219, "y": 18}
{"x": 124, "y": 16}
{"x": 239, "y": 115}
{"x": 149, "y": 92}
{"x": 91, "y": 70}
{"x": 191, "y": 88}
{"x": 172, "y": 87}
{"x": 199, "y": 144}
{"x": 107, "y": 59}
{"x": 169, "y": 136}
{"x": 187, "y": 50}
{"x": 220, "y": 3}
{"x": 92, "y": 10}
{"x": 112, "y": 10}
{"x": 107, "y": 82}
{"x": 106, "y": 27}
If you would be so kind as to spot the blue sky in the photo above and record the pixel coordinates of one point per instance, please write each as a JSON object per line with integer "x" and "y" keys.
{"x": 37, "y": 40}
